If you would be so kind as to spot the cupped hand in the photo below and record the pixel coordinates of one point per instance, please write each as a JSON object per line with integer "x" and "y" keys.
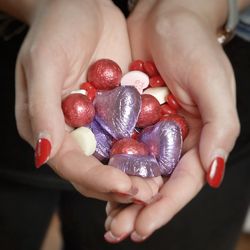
{"x": 64, "y": 38}
{"x": 183, "y": 44}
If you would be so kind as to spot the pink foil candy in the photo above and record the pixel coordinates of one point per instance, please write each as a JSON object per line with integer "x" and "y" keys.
{"x": 165, "y": 143}
{"x": 117, "y": 110}
{"x": 103, "y": 141}
{"x": 140, "y": 165}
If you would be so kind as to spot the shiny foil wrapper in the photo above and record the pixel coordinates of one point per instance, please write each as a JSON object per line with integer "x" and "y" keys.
{"x": 139, "y": 165}
{"x": 103, "y": 141}
{"x": 165, "y": 143}
{"x": 117, "y": 110}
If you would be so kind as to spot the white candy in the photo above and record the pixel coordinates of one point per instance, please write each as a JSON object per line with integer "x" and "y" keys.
{"x": 79, "y": 91}
{"x": 85, "y": 139}
{"x": 159, "y": 93}
{"x": 137, "y": 79}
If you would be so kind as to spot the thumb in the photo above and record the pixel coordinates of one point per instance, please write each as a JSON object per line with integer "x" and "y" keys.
{"x": 44, "y": 87}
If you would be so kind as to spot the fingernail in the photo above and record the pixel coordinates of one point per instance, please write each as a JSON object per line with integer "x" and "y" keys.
{"x": 216, "y": 172}
{"x": 136, "y": 237}
{"x": 113, "y": 239}
{"x": 42, "y": 151}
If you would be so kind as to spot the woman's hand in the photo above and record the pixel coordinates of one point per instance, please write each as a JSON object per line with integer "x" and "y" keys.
{"x": 180, "y": 37}
{"x": 65, "y": 37}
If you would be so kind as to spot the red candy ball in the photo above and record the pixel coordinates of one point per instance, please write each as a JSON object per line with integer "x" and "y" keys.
{"x": 167, "y": 109}
{"x": 104, "y": 74}
{"x": 150, "y": 69}
{"x": 156, "y": 81}
{"x": 78, "y": 110}
{"x": 150, "y": 111}
{"x": 136, "y": 65}
{"x": 172, "y": 101}
{"x": 180, "y": 120}
{"x": 91, "y": 90}
{"x": 129, "y": 146}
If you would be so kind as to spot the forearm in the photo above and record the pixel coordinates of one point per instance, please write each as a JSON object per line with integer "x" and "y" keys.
{"x": 20, "y": 9}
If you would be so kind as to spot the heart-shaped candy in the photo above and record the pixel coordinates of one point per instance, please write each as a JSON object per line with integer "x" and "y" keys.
{"x": 165, "y": 143}
{"x": 140, "y": 165}
{"x": 117, "y": 110}
{"x": 103, "y": 141}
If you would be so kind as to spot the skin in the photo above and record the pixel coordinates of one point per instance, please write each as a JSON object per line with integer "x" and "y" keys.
{"x": 64, "y": 38}
{"x": 200, "y": 76}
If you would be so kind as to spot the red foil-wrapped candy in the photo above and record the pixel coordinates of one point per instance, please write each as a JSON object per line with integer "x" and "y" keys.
{"x": 150, "y": 111}
{"x": 104, "y": 74}
{"x": 78, "y": 110}
{"x": 129, "y": 146}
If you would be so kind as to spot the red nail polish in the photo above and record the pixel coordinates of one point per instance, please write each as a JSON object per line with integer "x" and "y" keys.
{"x": 216, "y": 172}
{"x": 42, "y": 152}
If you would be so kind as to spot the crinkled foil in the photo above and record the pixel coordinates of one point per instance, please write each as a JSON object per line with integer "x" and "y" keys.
{"x": 165, "y": 143}
{"x": 117, "y": 110}
{"x": 103, "y": 141}
{"x": 144, "y": 166}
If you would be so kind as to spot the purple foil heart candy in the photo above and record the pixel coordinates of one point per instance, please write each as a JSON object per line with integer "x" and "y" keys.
{"x": 103, "y": 141}
{"x": 165, "y": 143}
{"x": 117, "y": 110}
{"x": 140, "y": 165}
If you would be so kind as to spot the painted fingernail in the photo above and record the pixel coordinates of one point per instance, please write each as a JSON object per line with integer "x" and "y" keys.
{"x": 216, "y": 172}
{"x": 113, "y": 239}
{"x": 42, "y": 151}
{"x": 136, "y": 237}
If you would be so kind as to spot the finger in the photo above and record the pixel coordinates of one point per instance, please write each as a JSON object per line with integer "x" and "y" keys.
{"x": 147, "y": 189}
{"x": 111, "y": 206}
{"x": 220, "y": 123}
{"x": 185, "y": 182}
{"x": 21, "y": 105}
{"x": 121, "y": 223}
{"x": 44, "y": 85}
{"x": 112, "y": 214}
{"x": 87, "y": 173}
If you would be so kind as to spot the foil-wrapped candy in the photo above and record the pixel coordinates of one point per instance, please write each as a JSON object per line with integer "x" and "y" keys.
{"x": 117, "y": 110}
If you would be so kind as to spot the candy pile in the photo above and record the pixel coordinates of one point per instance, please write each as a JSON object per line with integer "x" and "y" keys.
{"x": 129, "y": 121}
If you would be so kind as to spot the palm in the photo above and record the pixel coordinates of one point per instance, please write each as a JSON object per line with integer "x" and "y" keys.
{"x": 54, "y": 60}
